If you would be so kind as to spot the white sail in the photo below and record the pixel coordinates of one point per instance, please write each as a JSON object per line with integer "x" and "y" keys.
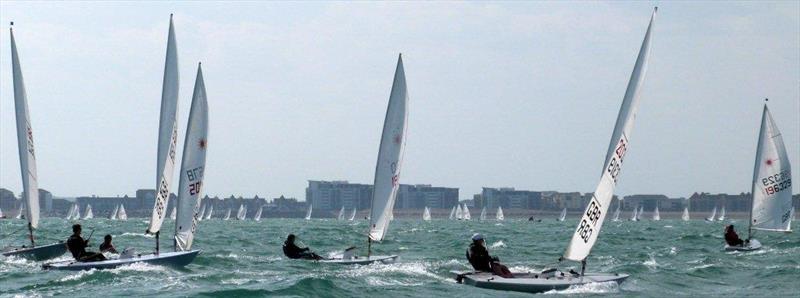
{"x": 656, "y": 215}
{"x": 202, "y": 214}
{"x": 616, "y": 213}
{"x": 70, "y": 212}
{"x": 499, "y": 214}
{"x": 592, "y": 220}
{"x": 173, "y": 214}
{"x": 685, "y": 215}
{"x": 193, "y": 164}
{"x": 21, "y": 211}
{"x": 167, "y": 133}
{"x": 308, "y": 213}
{"x": 341, "y": 214}
{"x": 453, "y": 213}
{"x": 122, "y": 215}
{"x": 1, "y": 213}
{"x": 113, "y": 215}
{"x": 639, "y": 215}
{"x": 467, "y": 215}
{"x": 89, "y": 214}
{"x": 27, "y": 156}
{"x": 563, "y": 215}
{"x": 426, "y": 214}
{"x": 353, "y": 215}
{"x": 713, "y": 214}
{"x": 483, "y": 213}
{"x": 77, "y": 214}
{"x": 227, "y": 215}
{"x": 242, "y": 213}
{"x": 722, "y": 214}
{"x": 459, "y": 212}
{"x": 635, "y": 211}
{"x": 772, "y": 180}
{"x": 257, "y": 217}
{"x": 390, "y": 156}
{"x": 210, "y": 212}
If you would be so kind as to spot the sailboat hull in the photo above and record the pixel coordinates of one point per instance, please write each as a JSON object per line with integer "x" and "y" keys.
{"x": 363, "y": 260}
{"x": 752, "y": 245}
{"x": 172, "y": 259}
{"x": 532, "y": 282}
{"x": 39, "y": 253}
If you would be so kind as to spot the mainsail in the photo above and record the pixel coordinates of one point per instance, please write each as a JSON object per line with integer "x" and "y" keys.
{"x": 616, "y": 213}
{"x": 635, "y": 211}
{"x": 353, "y": 215}
{"x": 228, "y": 214}
{"x": 453, "y": 213}
{"x": 772, "y": 181}
{"x": 242, "y": 214}
{"x": 499, "y": 214}
{"x": 308, "y": 213}
{"x": 722, "y": 214}
{"x": 113, "y": 215}
{"x": 426, "y": 214}
{"x": 167, "y": 133}
{"x": 202, "y": 213}
{"x": 210, "y": 212}
{"x": 341, "y": 214}
{"x": 193, "y": 165}
{"x": 713, "y": 213}
{"x": 656, "y": 215}
{"x": 121, "y": 215}
{"x": 257, "y": 217}
{"x": 27, "y": 156}
{"x": 467, "y": 215}
{"x": 390, "y": 156}
{"x": 563, "y": 215}
{"x": 483, "y": 213}
{"x": 685, "y": 215}
{"x": 89, "y": 214}
{"x": 592, "y": 220}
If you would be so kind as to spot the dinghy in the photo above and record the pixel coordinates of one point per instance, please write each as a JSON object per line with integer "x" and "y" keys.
{"x": 1, "y": 213}
{"x": 257, "y": 217}
{"x": 227, "y": 214}
{"x": 191, "y": 180}
{"x": 113, "y": 215}
{"x": 563, "y": 215}
{"x": 499, "y": 215}
{"x": 721, "y": 214}
{"x": 713, "y": 213}
{"x": 202, "y": 212}
{"x": 308, "y": 213}
{"x": 353, "y": 215}
{"x": 771, "y": 204}
{"x": 616, "y": 212}
{"x": 466, "y": 215}
{"x": 592, "y": 219}
{"x": 426, "y": 214}
{"x": 242, "y": 213}
{"x": 656, "y": 215}
{"x": 89, "y": 214}
{"x": 639, "y": 214}
{"x": 483, "y": 214}
{"x": 121, "y": 214}
{"x": 453, "y": 213}
{"x": 210, "y": 212}
{"x": 341, "y": 214}
{"x": 27, "y": 164}
{"x": 387, "y": 170}
{"x": 635, "y": 217}
{"x": 685, "y": 215}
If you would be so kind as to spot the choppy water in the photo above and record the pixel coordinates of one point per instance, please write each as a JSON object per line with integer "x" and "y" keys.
{"x": 244, "y": 258}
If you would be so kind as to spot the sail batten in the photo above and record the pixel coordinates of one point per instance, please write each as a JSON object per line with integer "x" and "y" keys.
{"x": 167, "y": 133}
{"x": 593, "y": 217}
{"x": 27, "y": 156}
{"x": 193, "y": 165}
{"x": 390, "y": 156}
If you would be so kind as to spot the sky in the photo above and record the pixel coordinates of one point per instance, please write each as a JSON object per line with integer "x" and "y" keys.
{"x": 502, "y": 94}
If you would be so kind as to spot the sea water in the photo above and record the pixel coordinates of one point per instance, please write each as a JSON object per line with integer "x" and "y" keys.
{"x": 244, "y": 258}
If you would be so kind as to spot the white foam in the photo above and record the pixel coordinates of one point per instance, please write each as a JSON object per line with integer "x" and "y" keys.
{"x": 498, "y": 244}
{"x": 78, "y": 275}
{"x": 590, "y": 288}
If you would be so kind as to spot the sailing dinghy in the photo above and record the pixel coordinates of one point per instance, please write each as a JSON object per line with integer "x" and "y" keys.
{"x": 685, "y": 215}
{"x": 228, "y": 214}
{"x": 121, "y": 214}
{"x": 656, "y": 215}
{"x": 353, "y": 215}
{"x": 257, "y": 217}
{"x": 713, "y": 213}
{"x": 466, "y": 215}
{"x": 563, "y": 215}
{"x": 27, "y": 164}
{"x": 113, "y": 215}
{"x": 453, "y": 213}
{"x": 341, "y": 214}
{"x": 426, "y": 214}
{"x": 589, "y": 226}
{"x": 308, "y": 213}
{"x": 191, "y": 177}
{"x": 387, "y": 170}
{"x": 616, "y": 212}
{"x": 499, "y": 215}
{"x": 771, "y": 205}
{"x": 89, "y": 213}
{"x": 210, "y": 212}
{"x": 721, "y": 214}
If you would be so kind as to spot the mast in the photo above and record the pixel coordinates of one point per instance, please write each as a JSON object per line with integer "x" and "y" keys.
{"x": 27, "y": 156}
{"x": 167, "y": 135}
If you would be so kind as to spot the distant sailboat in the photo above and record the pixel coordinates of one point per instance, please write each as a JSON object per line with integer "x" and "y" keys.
{"x": 616, "y": 212}
{"x": 113, "y": 215}
{"x": 121, "y": 214}
{"x": 656, "y": 215}
{"x": 483, "y": 213}
{"x": 499, "y": 215}
{"x": 685, "y": 216}
{"x": 89, "y": 214}
{"x": 771, "y": 206}
{"x": 459, "y": 212}
{"x": 426, "y": 215}
{"x": 227, "y": 214}
{"x": 257, "y": 217}
{"x": 453, "y": 213}
{"x": 466, "y": 215}
{"x": 202, "y": 213}
{"x": 1, "y": 213}
{"x": 634, "y": 217}
{"x": 353, "y": 215}
{"x": 341, "y": 214}
{"x": 713, "y": 214}
{"x": 21, "y": 211}
{"x": 563, "y": 215}
{"x": 722, "y": 214}
{"x": 210, "y": 212}
{"x": 641, "y": 212}
{"x": 308, "y": 213}
{"x": 242, "y": 213}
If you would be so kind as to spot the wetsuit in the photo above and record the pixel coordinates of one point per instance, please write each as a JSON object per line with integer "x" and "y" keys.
{"x": 479, "y": 258}
{"x": 107, "y": 247}
{"x": 292, "y": 251}
{"x": 77, "y": 246}
{"x": 733, "y": 239}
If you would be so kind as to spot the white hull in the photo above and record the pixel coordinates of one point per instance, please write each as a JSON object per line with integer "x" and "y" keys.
{"x": 752, "y": 245}
{"x": 173, "y": 259}
{"x": 363, "y": 260}
{"x": 532, "y": 282}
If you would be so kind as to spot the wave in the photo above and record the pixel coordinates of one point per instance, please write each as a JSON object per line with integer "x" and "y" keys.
{"x": 590, "y": 288}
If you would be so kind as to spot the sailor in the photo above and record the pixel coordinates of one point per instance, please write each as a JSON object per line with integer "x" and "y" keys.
{"x": 732, "y": 238}
{"x": 292, "y": 251}
{"x": 478, "y": 256}
{"x": 106, "y": 246}
{"x": 77, "y": 246}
